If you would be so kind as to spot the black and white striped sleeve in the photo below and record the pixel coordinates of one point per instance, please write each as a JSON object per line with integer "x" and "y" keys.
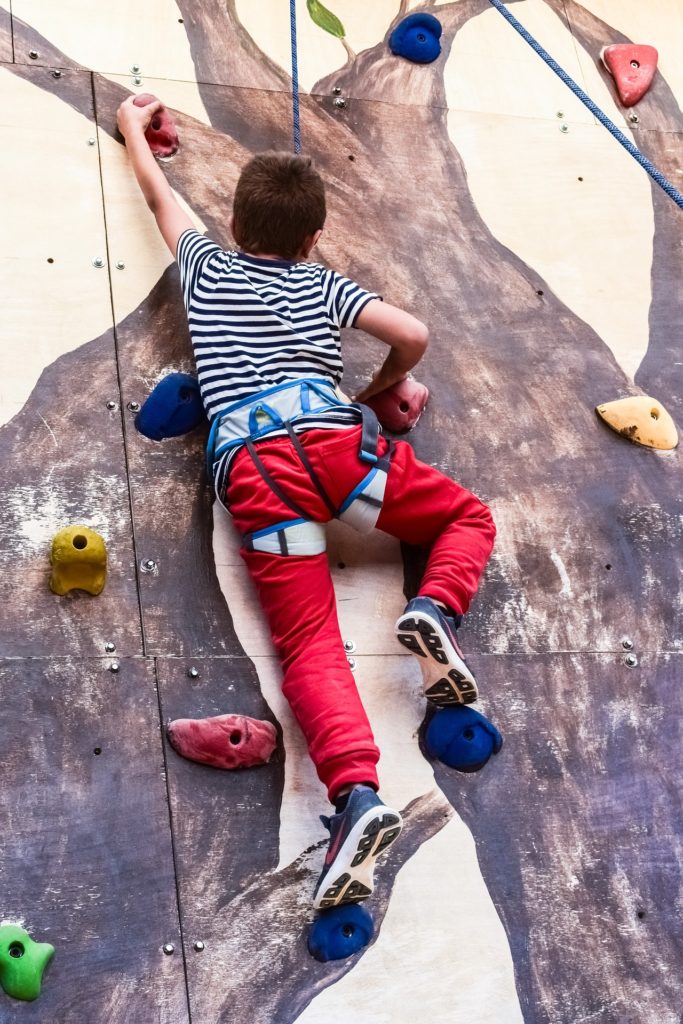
{"x": 344, "y": 298}
{"x": 193, "y": 252}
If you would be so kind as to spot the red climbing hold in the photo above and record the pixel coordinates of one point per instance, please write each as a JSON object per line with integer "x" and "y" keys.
{"x": 225, "y": 741}
{"x": 161, "y": 134}
{"x": 399, "y": 407}
{"x": 632, "y": 67}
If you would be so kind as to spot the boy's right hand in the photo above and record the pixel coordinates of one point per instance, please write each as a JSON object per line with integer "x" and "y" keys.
{"x": 132, "y": 119}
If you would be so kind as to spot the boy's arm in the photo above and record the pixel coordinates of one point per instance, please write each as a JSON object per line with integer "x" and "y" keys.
{"x": 170, "y": 217}
{"x": 406, "y": 336}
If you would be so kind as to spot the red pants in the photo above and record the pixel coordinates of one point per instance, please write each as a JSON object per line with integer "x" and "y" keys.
{"x": 421, "y": 506}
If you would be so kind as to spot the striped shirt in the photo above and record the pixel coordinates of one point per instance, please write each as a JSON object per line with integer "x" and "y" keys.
{"x": 256, "y": 323}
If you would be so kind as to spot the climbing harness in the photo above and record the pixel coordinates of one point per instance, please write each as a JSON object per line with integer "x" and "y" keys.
{"x": 296, "y": 127}
{"x": 252, "y": 419}
{"x": 604, "y": 120}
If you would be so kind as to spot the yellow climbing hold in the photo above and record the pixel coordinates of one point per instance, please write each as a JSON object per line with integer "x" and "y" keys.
{"x": 79, "y": 561}
{"x": 641, "y": 419}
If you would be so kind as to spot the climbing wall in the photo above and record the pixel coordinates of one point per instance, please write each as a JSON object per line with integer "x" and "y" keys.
{"x": 478, "y": 193}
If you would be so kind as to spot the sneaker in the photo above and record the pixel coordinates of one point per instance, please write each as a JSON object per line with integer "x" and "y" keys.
{"x": 363, "y": 830}
{"x": 427, "y": 632}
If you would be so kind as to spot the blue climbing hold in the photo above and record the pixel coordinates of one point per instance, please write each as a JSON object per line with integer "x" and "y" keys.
{"x": 417, "y": 38}
{"x": 174, "y": 407}
{"x": 462, "y": 738}
{"x": 340, "y": 932}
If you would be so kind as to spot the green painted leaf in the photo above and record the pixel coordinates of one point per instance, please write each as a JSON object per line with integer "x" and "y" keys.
{"x": 325, "y": 19}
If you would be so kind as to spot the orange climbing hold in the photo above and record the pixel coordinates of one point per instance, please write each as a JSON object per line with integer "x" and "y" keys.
{"x": 79, "y": 561}
{"x": 632, "y": 67}
{"x": 161, "y": 134}
{"x": 641, "y": 419}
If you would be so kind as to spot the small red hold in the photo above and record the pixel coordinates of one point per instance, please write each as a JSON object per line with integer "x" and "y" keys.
{"x": 224, "y": 741}
{"x": 632, "y": 67}
{"x": 399, "y": 407}
{"x": 161, "y": 133}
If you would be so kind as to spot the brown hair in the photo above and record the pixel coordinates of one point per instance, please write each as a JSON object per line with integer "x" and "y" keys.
{"x": 279, "y": 202}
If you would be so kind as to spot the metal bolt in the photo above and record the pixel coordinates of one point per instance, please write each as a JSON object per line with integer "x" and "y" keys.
{"x": 91, "y": 141}
{"x": 349, "y": 646}
{"x": 114, "y": 667}
{"x": 193, "y": 672}
{"x": 56, "y": 73}
{"x": 352, "y": 664}
{"x": 560, "y": 113}
{"x": 133, "y": 406}
{"x": 627, "y": 643}
{"x": 169, "y": 948}
{"x": 630, "y": 660}
{"x": 120, "y": 265}
{"x": 109, "y": 647}
{"x": 339, "y": 102}
{"x": 633, "y": 118}
{"x": 33, "y": 54}
{"x": 98, "y": 262}
{"x": 112, "y": 405}
{"x": 148, "y": 565}
{"x": 137, "y": 80}
{"x": 199, "y": 946}
{"x": 135, "y": 69}
{"x": 564, "y": 128}
{"x": 337, "y": 90}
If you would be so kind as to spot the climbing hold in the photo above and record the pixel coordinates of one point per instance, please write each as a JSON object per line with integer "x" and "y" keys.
{"x": 417, "y": 38}
{"x": 22, "y": 962}
{"x": 224, "y": 741}
{"x": 462, "y": 738}
{"x": 174, "y": 407}
{"x": 340, "y": 932}
{"x": 399, "y": 407}
{"x": 79, "y": 561}
{"x": 641, "y": 419}
{"x": 632, "y": 67}
{"x": 161, "y": 133}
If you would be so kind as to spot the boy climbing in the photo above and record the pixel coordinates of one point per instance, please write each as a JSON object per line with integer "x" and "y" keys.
{"x": 289, "y": 452}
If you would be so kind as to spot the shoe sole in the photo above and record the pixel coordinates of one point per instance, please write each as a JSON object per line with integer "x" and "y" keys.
{"x": 447, "y": 679}
{"x": 349, "y": 879}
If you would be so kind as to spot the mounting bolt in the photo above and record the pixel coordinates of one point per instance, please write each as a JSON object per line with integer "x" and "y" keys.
{"x": 112, "y": 405}
{"x": 564, "y": 128}
{"x": 198, "y": 946}
{"x": 193, "y": 672}
{"x": 630, "y": 660}
{"x": 627, "y": 643}
{"x": 135, "y": 69}
{"x": 148, "y": 565}
{"x": 137, "y": 80}
{"x": 560, "y": 113}
{"x": 109, "y": 647}
{"x": 91, "y": 141}
{"x": 56, "y": 73}
{"x": 168, "y": 948}
{"x": 337, "y": 90}
{"x": 114, "y": 667}
{"x": 339, "y": 102}
{"x": 349, "y": 646}
{"x": 120, "y": 265}
{"x": 352, "y": 664}
{"x": 633, "y": 118}
{"x": 98, "y": 262}
{"x": 133, "y": 406}
{"x": 33, "y": 54}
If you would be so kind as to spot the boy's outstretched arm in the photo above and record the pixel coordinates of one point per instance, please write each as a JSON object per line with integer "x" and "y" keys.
{"x": 170, "y": 217}
{"x": 406, "y": 336}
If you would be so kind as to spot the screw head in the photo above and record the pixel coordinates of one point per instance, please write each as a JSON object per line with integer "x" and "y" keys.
{"x": 630, "y": 660}
{"x": 112, "y": 405}
{"x": 337, "y": 90}
{"x": 560, "y": 114}
{"x": 148, "y": 565}
{"x": 98, "y": 262}
{"x": 198, "y": 946}
{"x": 137, "y": 80}
{"x": 564, "y": 128}
{"x": 627, "y": 643}
{"x": 135, "y": 69}
{"x": 633, "y": 118}
{"x": 109, "y": 647}
{"x": 133, "y": 406}
{"x": 352, "y": 664}
{"x": 120, "y": 265}
{"x": 91, "y": 141}
{"x": 56, "y": 73}
{"x": 114, "y": 667}
{"x": 168, "y": 948}
{"x": 339, "y": 102}
{"x": 33, "y": 54}
{"x": 349, "y": 646}
{"x": 193, "y": 672}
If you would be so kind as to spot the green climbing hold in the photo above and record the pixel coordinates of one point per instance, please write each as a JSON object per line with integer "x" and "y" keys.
{"x": 22, "y": 962}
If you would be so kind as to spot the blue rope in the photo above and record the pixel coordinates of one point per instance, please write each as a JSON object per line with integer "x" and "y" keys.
{"x": 594, "y": 109}
{"x": 295, "y": 79}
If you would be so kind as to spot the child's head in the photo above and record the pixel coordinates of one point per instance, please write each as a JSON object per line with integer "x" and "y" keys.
{"x": 279, "y": 206}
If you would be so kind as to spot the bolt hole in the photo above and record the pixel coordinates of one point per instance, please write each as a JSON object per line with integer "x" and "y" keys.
{"x": 16, "y": 950}
{"x": 341, "y": 565}
{"x": 156, "y": 124}
{"x": 539, "y": 291}
{"x": 579, "y": 178}
{"x": 421, "y": 37}
{"x": 97, "y": 751}
{"x": 50, "y": 260}
{"x": 654, "y": 413}
{"x": 185, "y": 394}
{"x": 468, "y": 733}
{"x": 635, "y": 64}
{"x": 404, "y": 407}
{"x": 640, "y": 915}
{"x": 180, "y": 21}
{"x": 351, "y": 157}
{"x": 608, "y": 566}
{"x": 80, "y": 541}
{"x": 347, "y": 931}
{"x": 235, "y": 737}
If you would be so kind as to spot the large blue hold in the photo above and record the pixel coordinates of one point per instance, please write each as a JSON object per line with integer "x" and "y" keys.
{"x": 462, "y": 738}
{"x": 340, "y": 932}
{"x": 417, "y": 38}
{"x": 174, "y": 407}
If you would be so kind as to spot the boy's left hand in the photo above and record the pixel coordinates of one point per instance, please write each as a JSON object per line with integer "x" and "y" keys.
{"x": 132, "y": 119}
